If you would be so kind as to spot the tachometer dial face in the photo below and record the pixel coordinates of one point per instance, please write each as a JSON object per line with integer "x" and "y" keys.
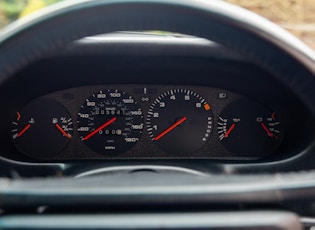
{"x": 179, "y": 121}
{"x": 110, "y": 122}
{"x": 42, "y": 133}
{"x": 248, "y": 128}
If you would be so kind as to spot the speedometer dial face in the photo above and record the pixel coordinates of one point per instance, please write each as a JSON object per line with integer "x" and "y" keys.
{"x": 110, "y": 122}
{"x": 179, "y": 121}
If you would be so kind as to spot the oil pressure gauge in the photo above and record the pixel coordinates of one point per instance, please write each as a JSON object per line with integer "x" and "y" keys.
{"x": 247, "y": 128}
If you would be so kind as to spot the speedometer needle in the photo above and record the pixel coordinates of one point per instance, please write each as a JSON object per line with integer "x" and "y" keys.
{"x": 99, "y": 128}
{"x": 169, "y": 129}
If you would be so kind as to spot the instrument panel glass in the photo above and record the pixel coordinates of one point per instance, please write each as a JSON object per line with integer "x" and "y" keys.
{"x": 147, "y": 122}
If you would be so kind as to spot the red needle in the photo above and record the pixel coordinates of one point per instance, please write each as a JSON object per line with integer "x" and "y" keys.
{"x": 62, "y": 131}
{"x": 170, "y": 129}
{"x": 99, "y": 128}
{"x": 229, "y": 130}
{"x": 24, "y": 130}
{"x": 266, "y": 129}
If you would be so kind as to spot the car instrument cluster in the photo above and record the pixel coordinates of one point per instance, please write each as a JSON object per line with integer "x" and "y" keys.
{"x": 145, "y": 122}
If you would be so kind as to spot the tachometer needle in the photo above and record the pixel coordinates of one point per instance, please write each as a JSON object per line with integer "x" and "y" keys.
{"x": 170, "y": 128}
{"x": 62, "y": 131}
{"x": 24, "y": 130}
{"x": 99, "y": 128}
{"x": 229, "y": 130}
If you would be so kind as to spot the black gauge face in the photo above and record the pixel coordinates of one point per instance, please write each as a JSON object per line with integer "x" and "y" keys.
{"x": 42, "y": 133}
{"x": 179, "y": 121}
{"x": 110, "y": 122}
{"x": 249, "y": 129}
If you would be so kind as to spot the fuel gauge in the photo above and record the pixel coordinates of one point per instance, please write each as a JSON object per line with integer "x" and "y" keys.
{"x": 249, "y": 129}
{"x": 43, "y": 128}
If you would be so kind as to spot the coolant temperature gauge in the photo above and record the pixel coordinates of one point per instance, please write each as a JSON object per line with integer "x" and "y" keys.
{"x": 247, "y": 128}
{"x": 43, "y": 128}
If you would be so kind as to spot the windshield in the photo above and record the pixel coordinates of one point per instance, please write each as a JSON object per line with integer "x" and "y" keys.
{"x": 296, "y": 16}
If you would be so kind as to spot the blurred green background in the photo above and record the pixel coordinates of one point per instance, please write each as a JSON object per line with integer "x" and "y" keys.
{"x": 11, "y": 10}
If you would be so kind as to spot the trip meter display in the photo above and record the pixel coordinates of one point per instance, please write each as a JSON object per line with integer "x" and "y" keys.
{"x": 110, "y": 122}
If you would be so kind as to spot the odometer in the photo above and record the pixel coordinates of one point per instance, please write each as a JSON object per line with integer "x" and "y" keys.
{"x": 110, "y": 122}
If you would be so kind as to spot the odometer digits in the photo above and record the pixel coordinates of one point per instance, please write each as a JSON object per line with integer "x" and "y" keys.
{"x": 110, "y": 122}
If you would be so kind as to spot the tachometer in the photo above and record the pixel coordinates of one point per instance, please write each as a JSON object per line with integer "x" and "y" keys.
{"x": 179, "y": 121}
{"x": 110, "y": 122}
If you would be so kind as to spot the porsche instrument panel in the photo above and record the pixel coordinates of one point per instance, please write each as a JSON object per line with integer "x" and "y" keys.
{"x": 145, "y": 122}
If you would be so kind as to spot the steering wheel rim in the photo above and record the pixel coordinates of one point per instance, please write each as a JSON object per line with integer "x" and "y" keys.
{"x": 258, "y": 40}
{"x": 32, "y": 38}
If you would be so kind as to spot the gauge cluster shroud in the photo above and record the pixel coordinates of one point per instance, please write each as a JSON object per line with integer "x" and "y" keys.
{"x": 146, "y": 122}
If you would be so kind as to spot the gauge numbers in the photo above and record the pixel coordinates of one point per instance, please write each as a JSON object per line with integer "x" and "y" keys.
{"x": 247, "y": 128}
{"x": 110, "y": 122}
{"x": 179, "y": 121}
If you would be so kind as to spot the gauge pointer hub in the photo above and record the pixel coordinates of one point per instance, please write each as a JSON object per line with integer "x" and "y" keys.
{"x": 169, "y": 129}
{"x": 99, "y": 128}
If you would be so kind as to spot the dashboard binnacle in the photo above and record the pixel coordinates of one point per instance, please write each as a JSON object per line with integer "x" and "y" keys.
{"x": 146, "y": 122}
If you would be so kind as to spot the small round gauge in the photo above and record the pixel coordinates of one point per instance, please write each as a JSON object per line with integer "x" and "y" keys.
{"x": 247, "y": 128}
{"x": 42, "y": 129}
{"x": 110, "y": 122}
{"x": 179, "y": 121}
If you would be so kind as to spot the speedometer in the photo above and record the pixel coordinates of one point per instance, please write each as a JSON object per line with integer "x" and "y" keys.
{"x": 110, "y": 122}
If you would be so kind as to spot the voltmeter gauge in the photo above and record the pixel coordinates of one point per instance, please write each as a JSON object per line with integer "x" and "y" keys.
{"x": 42, "y": 129}
{"x": 247, "y": 128}
{"x": 110, "y": 122}
{"x": 180, "y": 121}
